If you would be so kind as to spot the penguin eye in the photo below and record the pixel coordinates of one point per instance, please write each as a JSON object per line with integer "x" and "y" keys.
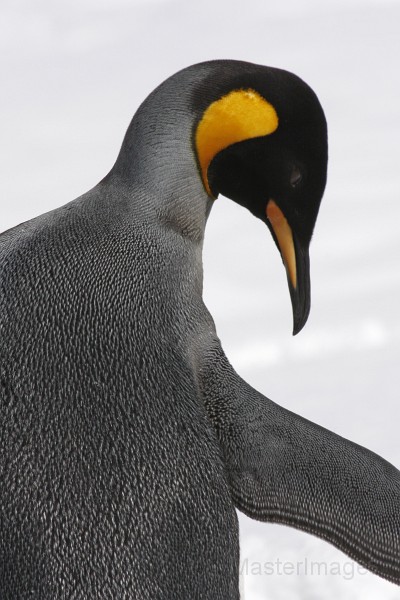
{"x": 296, "y": 176}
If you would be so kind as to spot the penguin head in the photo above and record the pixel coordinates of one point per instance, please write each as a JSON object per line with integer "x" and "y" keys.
{"x": 262, "y": 142}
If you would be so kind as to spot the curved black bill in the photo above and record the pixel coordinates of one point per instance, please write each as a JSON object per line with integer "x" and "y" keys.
{"x": 297, "y": 263}
{"x": 301, "y": 294}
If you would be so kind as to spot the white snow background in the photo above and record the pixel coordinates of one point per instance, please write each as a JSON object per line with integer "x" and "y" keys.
{"x": 72, "y": 75}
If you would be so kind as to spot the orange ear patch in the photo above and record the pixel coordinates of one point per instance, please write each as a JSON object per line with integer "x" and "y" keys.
{"x": 238, "y": 116}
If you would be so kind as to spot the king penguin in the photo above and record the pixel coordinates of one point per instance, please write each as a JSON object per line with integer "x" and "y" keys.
{"x": 127, "y": 439}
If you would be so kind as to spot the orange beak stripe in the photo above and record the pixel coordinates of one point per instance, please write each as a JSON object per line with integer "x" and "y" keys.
{"x": 285, "y": 239}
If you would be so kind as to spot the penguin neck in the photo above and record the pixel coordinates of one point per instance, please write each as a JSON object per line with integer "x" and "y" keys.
{"x": 157, "y": 162}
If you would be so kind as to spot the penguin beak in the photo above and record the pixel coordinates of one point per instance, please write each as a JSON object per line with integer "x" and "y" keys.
{"x": 297, "y": 263}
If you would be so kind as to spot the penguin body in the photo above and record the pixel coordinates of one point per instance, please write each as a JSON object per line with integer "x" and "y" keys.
{"x": 111, "y": 485}
{"x": 127, "y": 439}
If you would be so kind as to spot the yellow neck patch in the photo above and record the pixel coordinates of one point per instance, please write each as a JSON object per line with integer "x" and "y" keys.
{"x": 238, "y": 116}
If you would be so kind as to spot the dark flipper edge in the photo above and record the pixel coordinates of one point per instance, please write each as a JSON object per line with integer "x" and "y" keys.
{"x": 285, "y": 469}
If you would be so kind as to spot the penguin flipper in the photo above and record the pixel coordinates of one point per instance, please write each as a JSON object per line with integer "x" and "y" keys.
{"x": 285, "y": 469}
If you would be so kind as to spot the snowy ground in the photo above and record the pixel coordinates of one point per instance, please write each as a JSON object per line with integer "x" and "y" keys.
{"x": 72, "y": 75}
